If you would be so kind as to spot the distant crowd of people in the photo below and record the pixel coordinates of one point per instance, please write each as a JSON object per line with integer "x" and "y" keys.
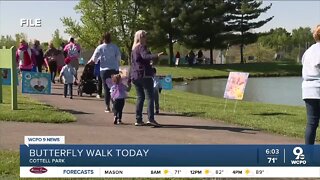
{"x": 190, "y": 58}
{"x": 33, "y": 58}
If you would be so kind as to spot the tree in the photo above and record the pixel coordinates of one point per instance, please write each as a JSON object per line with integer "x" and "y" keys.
{"x": 164, "y": 28}
{"x": 19, "y": 37}
{"x": 121, "y": 18}
{"x": 45, "y": 46}
{"x": 7, "y": 41}
{"x": 245, "y": 11}
{"x": 278, "y": 39}
{"x": 57, "y": 40}
{"x": 127, "y": 20}
{"x": 95, "y": 20}
{"x": 203, "y": 24}
{"x": 302, "y": 37}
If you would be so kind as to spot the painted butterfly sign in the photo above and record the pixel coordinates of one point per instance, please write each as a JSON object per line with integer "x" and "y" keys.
{"x": 166, "y": 82}
{"x": 6, "y": 77}
{"x": 236, "y": 84}
{"x": 36, "y": 83}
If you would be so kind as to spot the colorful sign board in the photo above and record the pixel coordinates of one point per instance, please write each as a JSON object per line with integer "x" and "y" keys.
{"x": 166, "y": 82}
{"x": 236, "y": 84}
{"x": 6, "y": 77}
{"x": 36, "y": 83}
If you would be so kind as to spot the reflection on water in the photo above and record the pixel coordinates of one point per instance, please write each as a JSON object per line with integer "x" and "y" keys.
{"x": 274, "y": 90}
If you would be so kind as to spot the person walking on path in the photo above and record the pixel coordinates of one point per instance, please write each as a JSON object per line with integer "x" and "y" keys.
{"x": 67, "y": 72}
{"x": 141, "y": 75}
{"x": 72, "y": 51}
{"x": 157, "y": 89}
{"x": 25, "y": 57}
{"x": 109, "y": 56}
{"x": 177, "y": 58}
{"x": 51, "y": 58}
{"x": 118, "y": 93}
{"x": 38, "y": 55}
{"x": 311, "y": 86}
{"x": 97, "y": 75}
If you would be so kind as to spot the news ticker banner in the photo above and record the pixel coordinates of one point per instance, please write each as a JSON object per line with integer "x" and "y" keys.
{"x": 50, "y": 157}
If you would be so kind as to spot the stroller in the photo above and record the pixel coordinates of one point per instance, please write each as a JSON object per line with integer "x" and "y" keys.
{"x": 88, "y": 82}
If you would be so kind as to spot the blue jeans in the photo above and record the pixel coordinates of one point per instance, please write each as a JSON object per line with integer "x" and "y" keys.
{"x": 156, "y": 98}
{"x": 144, "y": 86}
{"x": 65, "y": 89}
{"x": 105, "y": 74}
{"x": 313, "y": 115}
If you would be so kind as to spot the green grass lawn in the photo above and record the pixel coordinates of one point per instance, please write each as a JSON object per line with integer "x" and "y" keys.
{"x": 30, "y": 110}
{"x": 9, "y": 166}
{"x": 280, "y": 119}
{"x": 216, "y": 71}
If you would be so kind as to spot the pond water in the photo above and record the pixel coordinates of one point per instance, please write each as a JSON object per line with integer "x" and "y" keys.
{"x": 273, "y": 90}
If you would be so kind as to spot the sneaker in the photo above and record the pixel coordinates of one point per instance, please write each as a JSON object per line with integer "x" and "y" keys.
{"x": 107, "y": 110}
{"x": 71, "y": 97}
{"x": 153, "y": 123}
{"x": 139, "y": 123}
{"x": 115, "y": 120}
{"x": 98, "y": 96}
{"x": 119, "y": 122}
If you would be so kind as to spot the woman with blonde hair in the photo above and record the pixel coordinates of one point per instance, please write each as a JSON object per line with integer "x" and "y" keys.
{"x": 311, "y": 86}
{"x": 141, "y": 74}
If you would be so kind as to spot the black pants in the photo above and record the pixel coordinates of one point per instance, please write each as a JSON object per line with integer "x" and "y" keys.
{"x": 53, "y": 69}
{"x": 105, "y": 75}
{"x": 65, "y": 90}
{"x": 99, "y": 85}
{"x": 118, "y": 105}
{"x": 39, "y": 64}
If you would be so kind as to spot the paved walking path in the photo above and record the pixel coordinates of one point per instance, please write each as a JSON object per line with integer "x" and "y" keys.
{"x": 94, "y": 126}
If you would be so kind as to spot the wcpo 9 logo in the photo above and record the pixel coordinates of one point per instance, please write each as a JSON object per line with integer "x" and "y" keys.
{"x": 299, "y": 159}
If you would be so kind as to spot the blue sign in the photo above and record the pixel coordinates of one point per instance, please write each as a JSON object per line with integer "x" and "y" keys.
{"x": 36, "y": 83}
{"x": 166, "y": 82}
{"x": 170, "y": 155}
{"x": 6, "y": 77}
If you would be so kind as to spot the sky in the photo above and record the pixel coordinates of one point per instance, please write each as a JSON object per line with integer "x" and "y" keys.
{"x": 287, "y": 14}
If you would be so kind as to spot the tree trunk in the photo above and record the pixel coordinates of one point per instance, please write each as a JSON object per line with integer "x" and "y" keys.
{"x": 241, "y": 54}
{"x": 241, "y": 45}
{"x": 211, "y": 50}
{"x": 129, "y": 55}
{"x": 171, "y": 63}
{"x": 211, "y": 56}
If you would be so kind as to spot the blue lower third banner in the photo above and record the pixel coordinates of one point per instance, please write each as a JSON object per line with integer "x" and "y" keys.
{"x": 169, "y": 155}
{"x": 169, "y": 160}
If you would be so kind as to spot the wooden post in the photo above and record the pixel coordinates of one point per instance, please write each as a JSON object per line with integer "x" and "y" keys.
{"x": 14, "y": 92}
{"x": 8, "y": 60}
{"x": 1, "y": 99}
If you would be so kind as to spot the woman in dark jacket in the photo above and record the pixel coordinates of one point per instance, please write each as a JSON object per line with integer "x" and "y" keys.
{"x": 141, "y": 74}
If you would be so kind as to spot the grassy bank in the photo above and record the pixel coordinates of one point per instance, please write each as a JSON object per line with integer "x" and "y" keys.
{"x": 222, "y": 70}
{"x": 280, "y": 119}
{"x": 9, "y": 167}
{"x": 30, "y": 110}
